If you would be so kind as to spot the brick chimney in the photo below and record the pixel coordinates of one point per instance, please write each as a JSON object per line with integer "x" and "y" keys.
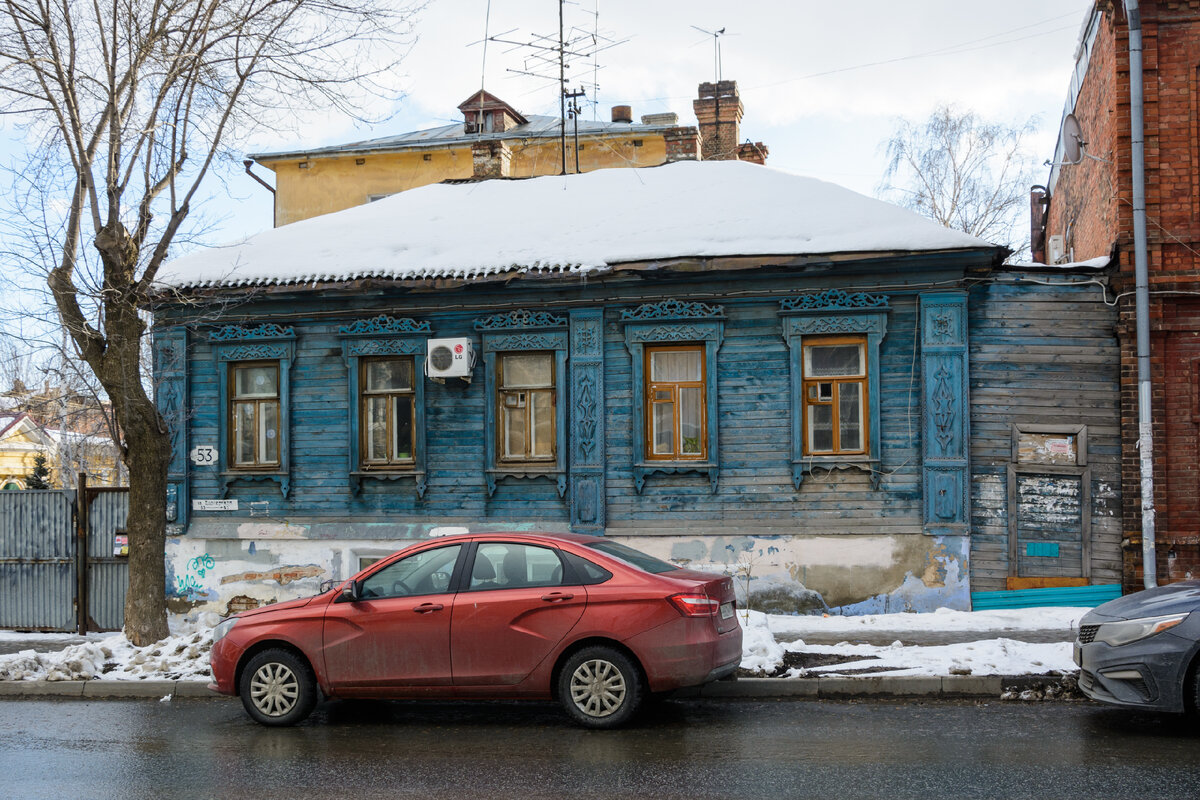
{"x": 719, "y": 113}
{"x": 491, "y": 159}
{"x": 754, "y": 152}
{"x": 683, "y": 143}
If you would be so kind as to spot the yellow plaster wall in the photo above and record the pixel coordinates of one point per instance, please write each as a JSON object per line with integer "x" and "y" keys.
{"x": 334, "y": 184}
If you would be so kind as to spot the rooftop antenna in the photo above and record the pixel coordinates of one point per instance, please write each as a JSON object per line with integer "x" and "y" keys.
{"x": 1074, "y": 145}
{"x": 550, "y": 58}
{"x": 716, "y": 48}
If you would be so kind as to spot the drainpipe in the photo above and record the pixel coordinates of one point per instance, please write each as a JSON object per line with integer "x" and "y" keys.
{"x": 1141, "y": 291}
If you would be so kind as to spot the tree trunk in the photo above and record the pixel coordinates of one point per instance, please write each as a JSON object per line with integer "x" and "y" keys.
{"x": 147, "y": 456}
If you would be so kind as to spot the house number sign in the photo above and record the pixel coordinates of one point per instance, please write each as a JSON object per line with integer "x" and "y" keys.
{"x": 203, "y": 456}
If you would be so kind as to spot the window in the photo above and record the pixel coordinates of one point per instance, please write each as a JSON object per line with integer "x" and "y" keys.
{"x": 386, "y": 400}
{"x": 427, "y": 572}
{"x": 388, "y": 410}
{"x": 835, "y": 396}
{"x": 504, "y": 565}
{"x": 525, "y": 407}
{"x": 525, "y": 420}
{"x": 833, "y": 340}
{"x": 254, "y": 411}
{"x": 675, "y": 407}
{"x": 673, "y": 345}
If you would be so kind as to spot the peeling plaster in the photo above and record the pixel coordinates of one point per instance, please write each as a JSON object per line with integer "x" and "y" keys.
{"x": 283, "y": 576}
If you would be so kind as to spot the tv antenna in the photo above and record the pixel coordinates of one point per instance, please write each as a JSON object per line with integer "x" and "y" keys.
{"x": 550, "y": 57}
{"x": 716, "y": 36}
{"x": 1074, "y": 145}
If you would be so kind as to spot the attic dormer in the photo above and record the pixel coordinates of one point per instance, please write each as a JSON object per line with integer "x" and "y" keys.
{"x": 483, "y": 112}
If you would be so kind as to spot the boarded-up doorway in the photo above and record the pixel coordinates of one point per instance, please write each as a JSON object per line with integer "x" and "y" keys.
{"x": 1049, "y": 507}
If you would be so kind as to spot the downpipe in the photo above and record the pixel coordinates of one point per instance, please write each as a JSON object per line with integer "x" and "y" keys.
{"x": 1141, "y": 292}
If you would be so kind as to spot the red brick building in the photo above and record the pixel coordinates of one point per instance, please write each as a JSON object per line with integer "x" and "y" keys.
{"x": 1086, "y": 211}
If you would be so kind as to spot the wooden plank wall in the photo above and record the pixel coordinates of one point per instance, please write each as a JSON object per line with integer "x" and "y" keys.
{"x": 1041, "y": 355}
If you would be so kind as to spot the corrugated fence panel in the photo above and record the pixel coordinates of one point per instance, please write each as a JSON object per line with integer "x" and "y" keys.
{"x": 37, "y": 560}
{"x": 108, "y": 575}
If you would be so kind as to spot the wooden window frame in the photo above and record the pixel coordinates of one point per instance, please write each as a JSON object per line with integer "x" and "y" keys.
{"x": 651, "y": 386}
{"x": 232, "y": 405}
{"x": 498, "y": 400}
{"x": 364, "y": 394}
{"x": 863, "y": 382}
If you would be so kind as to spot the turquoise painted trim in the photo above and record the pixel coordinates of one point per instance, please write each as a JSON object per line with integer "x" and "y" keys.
{"x": 518, "y": 331}
{"x": 171, "y": 396}
{"x": 266, "y": 342}
{"x": 834, "y": 312}
{"x": 945, "y": 412}
{"x": 1042, "y": 549}
{"x": 678, "y": 322}
{"x": 385, "y": 336}
{"x": 587, "y": 416}
{"x": 1066, "y": 596}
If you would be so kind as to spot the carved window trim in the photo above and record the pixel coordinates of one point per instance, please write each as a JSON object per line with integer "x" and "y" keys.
{"x": 236, "y": 344}
{"x": 673, "y": 322}
{"x": 520, "y": 331}
{"x": 383, "y": 337}
{"x": 834, "y": 313}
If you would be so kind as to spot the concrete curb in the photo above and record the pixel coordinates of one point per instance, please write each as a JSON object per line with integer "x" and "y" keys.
{"x": 833, "y": 687}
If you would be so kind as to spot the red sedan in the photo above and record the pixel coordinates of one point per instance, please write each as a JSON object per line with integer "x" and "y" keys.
{"x": 591, "y": 622}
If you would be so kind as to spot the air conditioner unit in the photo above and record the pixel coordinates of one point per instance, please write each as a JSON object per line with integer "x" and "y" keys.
{"x": 1056, "y": 248}
{"x": 450, "y": 358}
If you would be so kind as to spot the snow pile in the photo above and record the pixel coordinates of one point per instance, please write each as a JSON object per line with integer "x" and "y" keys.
{"x": 570, "y": 224}
{"x": 181, "y": 656}
{"x": 761, "y": 654}
{"x": 983, "y": 657}
{"x": 943, "y": 620}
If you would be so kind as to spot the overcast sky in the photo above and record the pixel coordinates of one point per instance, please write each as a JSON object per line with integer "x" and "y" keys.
{"x": 822, "y": 83}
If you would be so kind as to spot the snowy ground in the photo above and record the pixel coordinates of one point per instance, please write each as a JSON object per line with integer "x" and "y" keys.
{"x": 184, "y": 655}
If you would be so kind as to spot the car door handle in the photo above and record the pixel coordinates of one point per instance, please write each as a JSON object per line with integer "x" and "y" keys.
{"x": 425, "y": 608}
{"x": 556, "y": 597}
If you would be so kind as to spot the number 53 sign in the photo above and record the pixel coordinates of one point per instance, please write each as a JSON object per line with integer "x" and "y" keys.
{"x": 203, "y": 456}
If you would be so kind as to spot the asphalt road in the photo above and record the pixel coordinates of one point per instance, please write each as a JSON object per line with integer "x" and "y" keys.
{"x": 684, "y": 749}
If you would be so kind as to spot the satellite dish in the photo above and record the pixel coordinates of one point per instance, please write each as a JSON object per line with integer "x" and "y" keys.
{"x": 1073, "y": 143}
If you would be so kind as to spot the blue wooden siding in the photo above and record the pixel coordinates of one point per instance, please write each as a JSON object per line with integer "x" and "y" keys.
{"x": 1044, "y": 355}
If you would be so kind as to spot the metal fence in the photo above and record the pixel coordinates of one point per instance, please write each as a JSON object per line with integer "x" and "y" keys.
{"x": 40, "y": 559}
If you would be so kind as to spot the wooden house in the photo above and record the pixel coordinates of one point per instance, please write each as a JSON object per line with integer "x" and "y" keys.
{"x": 725, "y": 365}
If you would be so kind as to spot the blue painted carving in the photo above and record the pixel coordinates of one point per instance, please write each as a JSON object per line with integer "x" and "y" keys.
{"x": 521, "y": 318}
{"x": 700, "y": 323}
{"x": 383, "y": 325}
{"x": 385, "y": 336}
{"x": 515, "y": 331}
{"x": 586, "y": 433}
{"x": 833, "y": 299}
{"x": 672, "y": 309}
{"x": 267, "y": 330}
{"x": 944, "y": 420}
{"x": 170, "y": 371}
{"x": 266, "y": 342}
{"x": 823, "y": 314}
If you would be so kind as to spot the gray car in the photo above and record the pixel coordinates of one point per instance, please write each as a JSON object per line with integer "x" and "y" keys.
{"x": 1143, "y": 650}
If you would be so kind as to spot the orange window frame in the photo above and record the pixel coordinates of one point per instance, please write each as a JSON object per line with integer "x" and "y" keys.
{"x": 835, "y": 400}
{"x": 673, "y": 387}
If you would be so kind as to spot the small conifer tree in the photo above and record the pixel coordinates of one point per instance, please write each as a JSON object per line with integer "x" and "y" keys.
{"x": 40, "y": 477}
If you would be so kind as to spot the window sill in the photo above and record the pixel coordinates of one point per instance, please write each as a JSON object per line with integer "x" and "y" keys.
{"x": 282, "y": 478}
{"x": 522, "y": 472}
{"x": 357, "y": 477}
{"x": 643, "y": 469}
{"x": 807, "y": 464}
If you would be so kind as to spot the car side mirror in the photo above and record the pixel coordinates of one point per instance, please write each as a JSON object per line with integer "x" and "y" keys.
{"x": 349, "y": 592}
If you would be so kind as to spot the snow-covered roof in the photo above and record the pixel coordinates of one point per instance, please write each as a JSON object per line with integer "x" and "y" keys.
{"x": 572, "y": 224}
{"x": 536, "y": 127}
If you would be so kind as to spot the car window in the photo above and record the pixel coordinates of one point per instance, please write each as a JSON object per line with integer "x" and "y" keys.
{"x": 507, "y": 565}
{"x": 632, "y": 557}
{"x": 587, "y": 573}
{"x": 427, "y": 572}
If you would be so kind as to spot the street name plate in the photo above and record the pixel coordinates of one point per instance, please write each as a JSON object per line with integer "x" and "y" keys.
{"x": 214, "y": 505}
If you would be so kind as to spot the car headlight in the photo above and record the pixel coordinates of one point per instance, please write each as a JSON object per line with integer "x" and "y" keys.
{"x": 1132, "y": 630}
{"x": 223, "y": 628}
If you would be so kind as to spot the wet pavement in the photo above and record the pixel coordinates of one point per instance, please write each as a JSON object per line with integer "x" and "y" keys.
{"x": 694, "y": 749}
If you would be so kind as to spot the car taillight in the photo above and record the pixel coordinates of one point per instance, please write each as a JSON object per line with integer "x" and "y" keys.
{"x": 695, "y": 605}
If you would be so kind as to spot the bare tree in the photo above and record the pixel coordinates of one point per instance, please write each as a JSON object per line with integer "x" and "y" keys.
{"x": 964, "y": 172}
{"x": 128, "y": 105}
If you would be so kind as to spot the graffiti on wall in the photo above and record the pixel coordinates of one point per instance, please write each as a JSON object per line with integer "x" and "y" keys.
{"x": 197, "y": 568}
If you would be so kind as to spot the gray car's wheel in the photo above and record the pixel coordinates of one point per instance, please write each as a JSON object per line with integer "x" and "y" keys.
{"x": 278, "y": 688}
{"x": 600, "y": 687}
